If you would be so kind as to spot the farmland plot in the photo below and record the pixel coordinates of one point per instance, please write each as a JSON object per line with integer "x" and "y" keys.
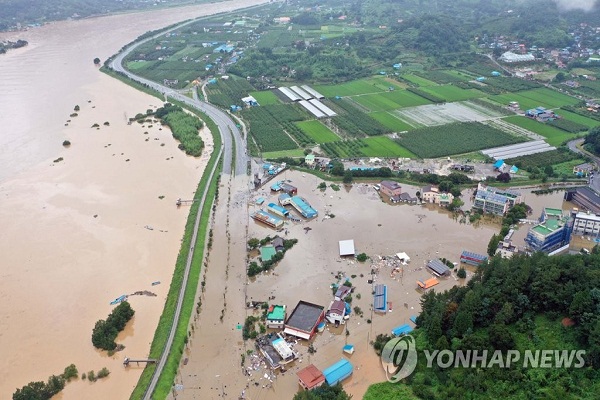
{"x": 554, "y": 136}
{"x": 550, "y": 97}
{"x": 453, "y": 93}
{"x": 317, "y": 131}
{"x": 440, "y": 114}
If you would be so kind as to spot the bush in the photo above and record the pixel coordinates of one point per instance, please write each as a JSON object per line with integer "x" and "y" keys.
{"x": 92, "y": 376}
{"x": 462, "y": 274}
{"x": 362, "y": 257}
{"x": 103, "y": 373}
{"x": 70, "y": 372}
{"x": 66, "y": 143}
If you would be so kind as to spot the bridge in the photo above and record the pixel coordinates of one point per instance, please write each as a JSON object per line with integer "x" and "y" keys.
{"x": 138, "y": 361}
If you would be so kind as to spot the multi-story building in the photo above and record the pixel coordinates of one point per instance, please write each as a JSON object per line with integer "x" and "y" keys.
{"x": 551, "y": 233}
{"x": 391, "y": 188}
{"x": 586, "y": 223}
{"x": 493, "y": 200}
{"x": 584, "y": 197}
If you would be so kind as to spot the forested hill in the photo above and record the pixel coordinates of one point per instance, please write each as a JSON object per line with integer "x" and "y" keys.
{"x": 526, "y": 303}
{"x": 27, "y": 12}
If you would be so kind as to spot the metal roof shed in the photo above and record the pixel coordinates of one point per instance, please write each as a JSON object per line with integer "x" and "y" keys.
{"x": 338, "y": 372}
{"x": 347, "y": 248}
{"x": 438, "y": 267}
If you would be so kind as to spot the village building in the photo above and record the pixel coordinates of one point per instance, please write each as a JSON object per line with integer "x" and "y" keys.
{"x": 586, "y": 223}
{"x": 438, "y": 267}
{"x": 506, "y": 249}
{"x": 494, "y": 200}
{"x": 342, "y": 292}
{"x": 471, "y": 258}
{"x": 432, "y": 194}
{"x": 303, "y": 321}
{"x": 336, "y": 312}
{"x": 390, "y": 188}
{"x": 276, "y": 316}
{"x": 584, "y": 197}
{"x": 267, "y": 219}
{"x": 276, "y": 350}
{"x": 380, "y": 299}
{"x": 404, "y": 198}
{"x": 338, "y": 372}
{"x": 551, "y": 233}
{"x": 278, "y": 243}
{"x": 510, "y": 57}
{"x": 309, "y": 160}
{"x": 310, "y": 377}
{"x": 347, "y": 248}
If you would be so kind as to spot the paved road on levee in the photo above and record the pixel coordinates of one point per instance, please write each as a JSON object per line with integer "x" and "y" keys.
{"x": 593, "y": 181}
{"x": 227, "y": 127}
{"x": 232, "y": 141}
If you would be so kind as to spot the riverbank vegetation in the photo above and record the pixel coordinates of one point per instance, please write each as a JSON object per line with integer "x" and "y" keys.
{"x": 105, "y": 331}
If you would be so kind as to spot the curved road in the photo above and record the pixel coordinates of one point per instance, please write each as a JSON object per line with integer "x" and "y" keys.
{"x": 593, "y": 183}
{"x": 227, "y": 127}
{"x": 232, "y": 141}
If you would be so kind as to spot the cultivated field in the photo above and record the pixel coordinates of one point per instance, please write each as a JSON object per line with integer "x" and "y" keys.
{"x": 554, "y": 136}
{"x": 525, "y": 103}
{"x": 456, "y": 138}
{"x": 390, "y": 121}
{"x": 265, "y": 97}
{"x": 417, "y": 80}
{"x": 440, "y": 114}
{"x": 362, "y": 86}
{"x": 383, "y": 146}
{"x": 580, "y": 119}
{"x": 317, "y": 131}
{"x": 453, "y": 93}
{"x": 550, "y": 97}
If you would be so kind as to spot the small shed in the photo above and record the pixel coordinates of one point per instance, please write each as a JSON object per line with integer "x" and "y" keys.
{"x": 413, "y": 319}
{"x": 402, "y": 330}
{"x": 347, "y": 248}
{"x": 403, "y": 257}
{"x": 278, "y": 244}
{"x": 498, "y": 164}
{"x": 349, "y": 348}
{"x": 338, "y": 372}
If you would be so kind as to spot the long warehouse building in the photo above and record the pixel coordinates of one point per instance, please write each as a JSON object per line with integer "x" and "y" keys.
{"x": 289, "y": 94}
{"x": 328, "y": 111}
{"x": 312, "y": 91}
{"x": 312, "y": 109}
{"x": 301, "y": 93}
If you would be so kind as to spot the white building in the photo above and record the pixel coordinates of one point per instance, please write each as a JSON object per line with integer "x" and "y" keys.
{"x": 586, "y": 224}
{"x": 510, "y": 57}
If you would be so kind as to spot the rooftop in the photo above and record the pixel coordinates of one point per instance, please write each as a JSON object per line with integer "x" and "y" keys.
{"x": 276, "y": 312}
{"x": 391, "y": 185}
{"x": 305, "y": 316}
{"x": 311, "y": 376}
{"x": 584, "y": 215}
{"x": 338, "y": 371}
{"x": 267, "y": 252}
{"x": 549, "y": 226}
{"x": 555, "y": 212}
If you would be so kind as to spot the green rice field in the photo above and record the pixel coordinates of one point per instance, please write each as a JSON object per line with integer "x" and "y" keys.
{"x": 580, "y": 119}
{"x": 554, "y": 136}
{"x": 390, "y": 100}
{"x": 284, "y": 153}
{"x": 362, "y": 86}
{"x": 550, "y": 97}
{"x": 382, "y": 146}
{"x": 453, "y": 93}
{"x": 417, "y": 80}
{"x": 390, "y": 121}
{"x": 266, "y": 97}
{"x": 525, "y": 103}
{"x": 317, "y": 131}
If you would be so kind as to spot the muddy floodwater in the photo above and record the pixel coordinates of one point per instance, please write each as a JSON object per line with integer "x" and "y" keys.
{"x": 307, "y": 273}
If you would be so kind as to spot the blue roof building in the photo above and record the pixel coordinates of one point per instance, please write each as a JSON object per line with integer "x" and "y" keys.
{"x": 338, "y": 372}
{"x": 496, "y": 73}
{"x": 303, "y": 207}
{"x": 380, "y": 298}
{"x": 402, "y": 330}
{"x": 498, "y": 164}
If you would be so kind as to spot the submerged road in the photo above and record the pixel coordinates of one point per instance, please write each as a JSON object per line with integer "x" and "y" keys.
{"x": 233, "y": 164}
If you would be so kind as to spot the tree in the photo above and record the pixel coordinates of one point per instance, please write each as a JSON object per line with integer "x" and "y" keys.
{"x": 503, "y": 177}
{"x": 324, "y": 392}
{"x": 462, "y": 274}
{"x": 96, "y": 61}
{"x": 347, "y": 176}
{"x": 560, "y": 77}
{"x": 493, "y": 245}
{"x": 253, "y": 243}
{"x": 362, "y": 257}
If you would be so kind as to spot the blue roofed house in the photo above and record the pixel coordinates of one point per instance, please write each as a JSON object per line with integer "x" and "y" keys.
{"x": 498, "y": 165}
{"x": 338, "y": 372}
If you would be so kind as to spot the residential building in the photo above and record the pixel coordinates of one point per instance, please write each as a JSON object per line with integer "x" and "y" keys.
{"x": 391, "y": 188}
{"x": 276, "y": 316}
{"x": 342, "y": 292}
{"x": 303, "y": 321}
{"x": 403, "y": 198}
{"x": 336, "y": 312}
{"x": 310, "y": 377}
{"x": 495, "y": 200}
{"x": 585, "y": 198}
{"x": 309, "y": 160}
{"x": 432, "y": 194}
{"x": 553, "y": 231}
{"x": 586, "y": 223}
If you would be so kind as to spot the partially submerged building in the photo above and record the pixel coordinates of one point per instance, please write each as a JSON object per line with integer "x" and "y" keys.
{"x": 276, "y": 316}
{"x": 299, "y": 204}
{"x": 284, "y": 187}
{"x": 390, "y": 188}
{"x": 347, "y": 248}
{"x": 586, "y": 223}
{"x": 438, "y": 267}
{"x": 471, "y": 258}
{"x": 432, "y": 194}
{"x": 427, "y": 284}
{"x": 304, "y": 319}
{"x": 310, "y": 377}
{"x": 278, "y": 210}
{"x": 551, "y": 233}
{"x": 342, "y": 292}
{"x": 380, "y": 299}
{"x": 402, "y": 330}
{"x": 336, "y": 312}
{"x": 585, "y": 198}
{"x": 267, "y": 219}
{"x": 338, "y": 372}
{"x": 493, "y": 200}
{"x": 276, "y": 350}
